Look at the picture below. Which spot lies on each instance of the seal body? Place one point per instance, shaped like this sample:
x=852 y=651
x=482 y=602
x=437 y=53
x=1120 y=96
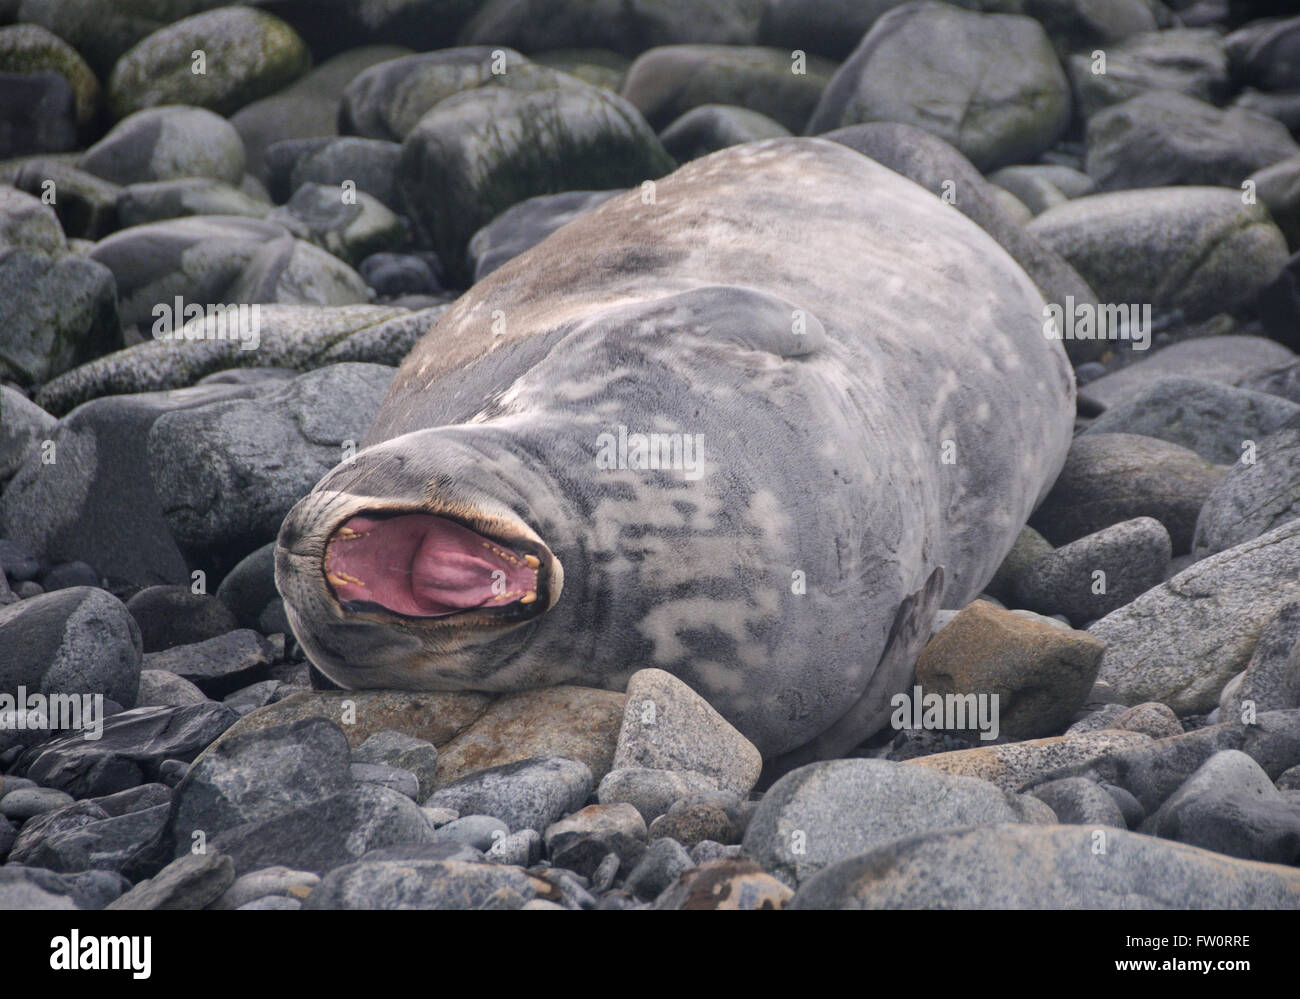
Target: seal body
x=753 y=427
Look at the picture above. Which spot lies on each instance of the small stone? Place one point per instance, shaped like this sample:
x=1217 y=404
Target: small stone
x=650 y=792
x=530 y=794
x=269 y=882
x=668 y=726
x=1079 y=801
x=190 y=882
x=24 y=803
x=725 y=884
x=583 y=840
x=399 y=780
x=664 y=860
x=699 y=817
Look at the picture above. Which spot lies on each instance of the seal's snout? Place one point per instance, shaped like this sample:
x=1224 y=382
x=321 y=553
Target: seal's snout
x=422 y=565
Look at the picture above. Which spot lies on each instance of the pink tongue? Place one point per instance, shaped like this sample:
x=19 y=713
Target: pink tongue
x=424 y=566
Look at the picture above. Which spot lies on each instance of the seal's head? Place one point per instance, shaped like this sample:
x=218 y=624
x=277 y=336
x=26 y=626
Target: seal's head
x=398 y=559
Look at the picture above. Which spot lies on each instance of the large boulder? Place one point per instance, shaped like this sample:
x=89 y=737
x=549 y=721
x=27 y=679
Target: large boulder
x=989 y=84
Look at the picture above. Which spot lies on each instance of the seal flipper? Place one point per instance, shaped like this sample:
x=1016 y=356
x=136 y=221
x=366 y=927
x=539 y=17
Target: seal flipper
x=746 y=317
x=907 y=637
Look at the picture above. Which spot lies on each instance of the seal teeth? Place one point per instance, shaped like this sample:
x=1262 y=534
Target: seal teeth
x=528 y=597
x=532 y=561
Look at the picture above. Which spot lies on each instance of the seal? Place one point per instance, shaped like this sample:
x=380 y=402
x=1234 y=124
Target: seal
x=752 y=425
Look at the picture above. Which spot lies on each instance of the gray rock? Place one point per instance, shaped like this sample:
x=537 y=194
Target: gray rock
x=1260 y=492
x=1111 y=478
x=668 y=726
x=421 y=884
x=712 y=815
x=56 y=312
x=190 y=882
x=85 y=204
x=577 y=137
x=30 y=49
x=1039 y=187
x=522 y=226
x=1079 y=801
x=1131 y=555
x=710 y=127
x=1196 y=251
x=582 y=841
x=1231 y=360
x=664 y=861
x=399 y=780
x=257 y=695
x=307 y=108
x=290 y=336
x=386 y=101
x=285 y=795
x=26 y=223
x=172 y=616
x=537 y=25
x=23 y=426
x=521 y=849
x=80 y=640
x=1029 y=546
x=1212 y=419
x=1180 y=642
x=1190 y=61
x=405 y=751
x=217 y=666
x=1271 y=680
x=228 y=473
x=351 y=229
x=131 y=748
x=530 y=794
x=295 y=272
x=650 y=792
x=1046 y=867
x=482 y=832
x=825 y=812
x=155 y=201
x=249 y=587
x=1263 y=53
x=167 y=143
x=251 y=53
x=26 y=802
x=24 y=888
x=994 y=116
x=370 y=164
x=272 y=902
x=1231 y=807
x=666 y=82
x=39 y=111
x=269 y=882
x=107 y=844
x=1278 y=187
x=1163 y=138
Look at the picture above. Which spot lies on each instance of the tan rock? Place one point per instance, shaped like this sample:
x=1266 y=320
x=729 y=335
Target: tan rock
x=725 y=884
x=1040 y=673
x=1015 y=765
x=1150 y=718
x=578 y=723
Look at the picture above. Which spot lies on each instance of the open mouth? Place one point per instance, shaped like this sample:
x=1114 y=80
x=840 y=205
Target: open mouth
x=422 y=565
